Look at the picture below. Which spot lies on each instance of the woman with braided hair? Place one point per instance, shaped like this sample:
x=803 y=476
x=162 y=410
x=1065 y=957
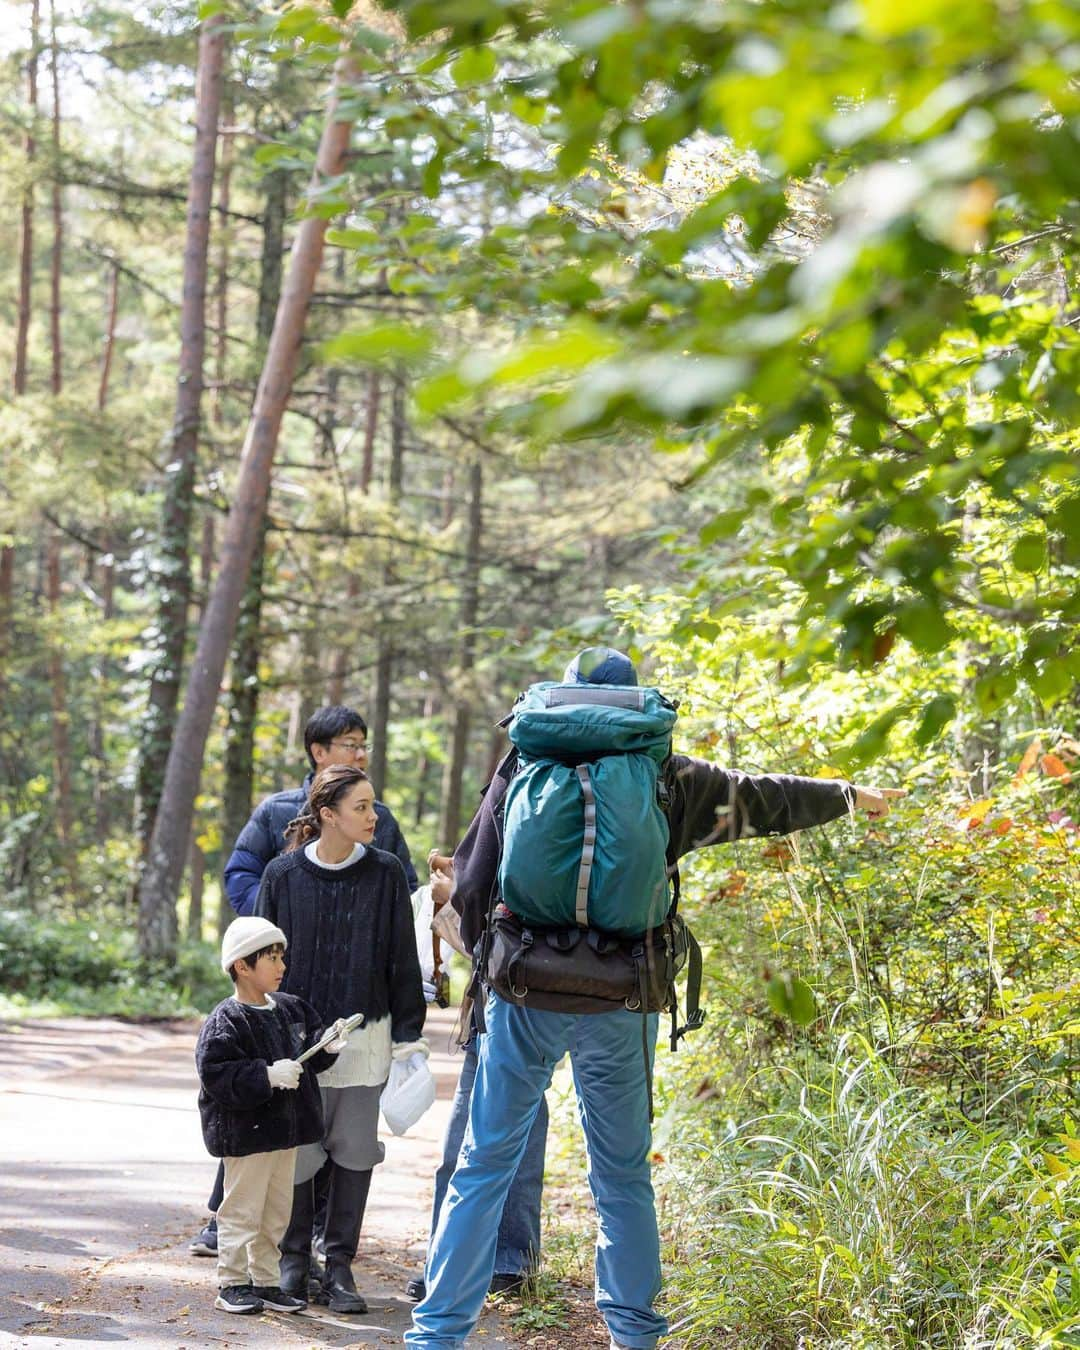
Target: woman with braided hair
x=344 y=908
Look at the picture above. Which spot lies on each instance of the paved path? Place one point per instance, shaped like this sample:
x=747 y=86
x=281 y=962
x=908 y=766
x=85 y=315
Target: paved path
x=103 y=1180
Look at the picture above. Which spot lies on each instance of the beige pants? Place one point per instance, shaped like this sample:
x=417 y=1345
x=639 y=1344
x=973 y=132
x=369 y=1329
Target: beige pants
x=253 y=1216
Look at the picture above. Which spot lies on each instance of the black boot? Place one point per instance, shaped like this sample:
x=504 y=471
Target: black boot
x=322 y=1190
x=345 y=1207
x=296 y=1244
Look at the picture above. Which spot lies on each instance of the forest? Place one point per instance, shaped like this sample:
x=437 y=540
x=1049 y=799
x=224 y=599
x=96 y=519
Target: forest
x=389 y=354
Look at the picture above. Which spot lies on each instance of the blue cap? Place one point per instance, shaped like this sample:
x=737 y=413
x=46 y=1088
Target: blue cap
x=600 y=665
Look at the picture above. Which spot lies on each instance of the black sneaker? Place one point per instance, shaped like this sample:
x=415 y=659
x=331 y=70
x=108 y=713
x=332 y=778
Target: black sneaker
x=507 y=1284
x=206 y=1242
x=415 y=1289
x=238 y=1298
x=273 y=1296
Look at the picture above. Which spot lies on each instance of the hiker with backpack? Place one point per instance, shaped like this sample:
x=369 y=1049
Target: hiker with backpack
x=566 y=884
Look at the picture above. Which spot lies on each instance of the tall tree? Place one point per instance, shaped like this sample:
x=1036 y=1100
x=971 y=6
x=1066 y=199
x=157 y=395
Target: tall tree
x=112 y=305
x=170 y=632
x=454 y=769
x=57 y=260
x=243 y=702
x=61 y=739
x=26 y=237
x=164 y=863
x=384 y=659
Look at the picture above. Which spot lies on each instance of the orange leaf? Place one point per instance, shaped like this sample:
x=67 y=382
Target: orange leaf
x=1002 y=826
x=1050 y=764
x=1031 y=754
x=883 y=644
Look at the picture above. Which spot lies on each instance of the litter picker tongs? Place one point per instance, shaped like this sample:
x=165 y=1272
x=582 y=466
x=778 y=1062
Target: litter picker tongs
x=331 y=1033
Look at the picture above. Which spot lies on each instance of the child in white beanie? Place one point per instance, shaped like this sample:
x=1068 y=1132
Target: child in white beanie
x=258 y=1106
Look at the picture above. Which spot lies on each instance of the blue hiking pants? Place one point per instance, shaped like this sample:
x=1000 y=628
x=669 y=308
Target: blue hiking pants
x=516 y=1060
x=517 y=1248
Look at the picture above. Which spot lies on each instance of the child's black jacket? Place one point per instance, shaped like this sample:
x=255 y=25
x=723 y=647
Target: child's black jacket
x=241 y=1113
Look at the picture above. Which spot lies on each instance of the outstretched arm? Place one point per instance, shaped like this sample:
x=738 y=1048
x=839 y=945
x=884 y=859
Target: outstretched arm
x=711 y=805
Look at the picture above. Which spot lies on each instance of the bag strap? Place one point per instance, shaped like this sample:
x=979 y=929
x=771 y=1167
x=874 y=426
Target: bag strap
x=695 y=1013
x=588 y=846
x=512 y=763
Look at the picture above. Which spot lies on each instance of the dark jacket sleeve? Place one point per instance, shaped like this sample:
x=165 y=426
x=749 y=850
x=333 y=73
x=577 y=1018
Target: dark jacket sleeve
x=389 y=838
x=407 y=1006
x=710 y=805
x=476 y=858
x=254 y=848
x=226 y=1068
x=266 y=897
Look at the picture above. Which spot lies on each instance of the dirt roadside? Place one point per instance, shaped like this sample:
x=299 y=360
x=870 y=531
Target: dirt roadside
x=105 y=1181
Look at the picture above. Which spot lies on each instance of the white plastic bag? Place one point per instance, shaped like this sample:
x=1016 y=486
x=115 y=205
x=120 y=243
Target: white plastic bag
x=425 y=909
x=409 y=1092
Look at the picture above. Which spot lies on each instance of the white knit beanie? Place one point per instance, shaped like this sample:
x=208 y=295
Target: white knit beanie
x=247 y=935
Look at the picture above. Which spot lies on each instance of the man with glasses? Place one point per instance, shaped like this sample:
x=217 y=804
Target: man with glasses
x=334 y=735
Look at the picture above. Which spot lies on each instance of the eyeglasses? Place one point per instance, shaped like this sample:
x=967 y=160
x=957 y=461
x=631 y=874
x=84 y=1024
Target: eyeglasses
x=354 y=747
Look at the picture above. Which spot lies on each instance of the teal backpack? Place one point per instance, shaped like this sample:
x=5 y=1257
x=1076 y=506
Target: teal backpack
x=584 y=832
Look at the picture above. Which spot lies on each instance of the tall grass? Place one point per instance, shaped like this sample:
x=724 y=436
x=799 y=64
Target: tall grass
x=857 y=1216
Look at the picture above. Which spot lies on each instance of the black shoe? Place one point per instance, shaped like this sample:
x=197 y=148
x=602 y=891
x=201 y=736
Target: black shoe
x=238 y=1298
x=295 y=1245
x=416 y=1289
x=508 y=1284
x=275 y=1297
x=344 y=1215
x=206 y=1242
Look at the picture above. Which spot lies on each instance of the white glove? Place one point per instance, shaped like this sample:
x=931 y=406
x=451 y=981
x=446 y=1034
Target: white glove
x=429 y=991
x=284 y=1073
x=402 y=1050
x=341 y=1037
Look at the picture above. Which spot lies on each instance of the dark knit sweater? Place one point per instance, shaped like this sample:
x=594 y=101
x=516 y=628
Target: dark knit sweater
x=352 y=945
x=241 y=1113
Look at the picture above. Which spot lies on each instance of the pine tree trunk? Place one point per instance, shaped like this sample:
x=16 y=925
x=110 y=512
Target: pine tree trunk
x=454 y=772
x=101 y=674
x=7 y=607
x=196 y=888
x=221 y=288
x=384 y=658
x=239 y=787
x=243 y=710
x=61 y=737
x=423 y=772
x=175 y=572
x=335 y=689
x=111 y=308
x=57 y=214
x=165 y=860
x=367 y=463
x=26 y=240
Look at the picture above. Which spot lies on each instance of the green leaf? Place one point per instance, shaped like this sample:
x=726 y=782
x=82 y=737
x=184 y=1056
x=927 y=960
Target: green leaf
x=792 y=998
x=571 y=349
x=937 y=715
x=722 y=526
x=351 y=238
x=475 y=65
x=993 y=689
x=278 y=154
x=1029 y=553
x=381 y=345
